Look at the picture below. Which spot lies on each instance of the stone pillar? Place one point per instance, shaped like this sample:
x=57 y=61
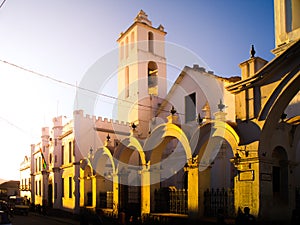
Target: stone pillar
x=81 y=188
x=115 y=194
x=192 y=193
x=145 y=191
x=77 y=186
x=94 y=191
x=45 y=179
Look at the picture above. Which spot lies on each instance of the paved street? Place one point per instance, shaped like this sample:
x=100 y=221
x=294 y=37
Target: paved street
x=35 y=219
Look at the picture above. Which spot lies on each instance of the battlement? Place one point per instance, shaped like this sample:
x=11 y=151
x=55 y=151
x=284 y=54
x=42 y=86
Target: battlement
x=100 y=120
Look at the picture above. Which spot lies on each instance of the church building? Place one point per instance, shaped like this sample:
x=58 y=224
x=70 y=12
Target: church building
x=206 y=143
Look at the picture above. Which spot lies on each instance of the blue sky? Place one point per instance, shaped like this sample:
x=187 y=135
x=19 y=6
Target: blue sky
x=63 y=39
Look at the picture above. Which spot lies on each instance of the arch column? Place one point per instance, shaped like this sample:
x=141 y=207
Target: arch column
x=94 y=191
x=192 y=170
x=115 y=194
x=145 y=191
x=81 y=187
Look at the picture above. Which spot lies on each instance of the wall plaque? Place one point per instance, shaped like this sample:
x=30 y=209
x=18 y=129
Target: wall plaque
x=247 y=175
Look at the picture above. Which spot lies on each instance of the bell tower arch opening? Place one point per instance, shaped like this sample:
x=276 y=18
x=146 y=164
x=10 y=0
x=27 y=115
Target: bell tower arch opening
x=152 y=78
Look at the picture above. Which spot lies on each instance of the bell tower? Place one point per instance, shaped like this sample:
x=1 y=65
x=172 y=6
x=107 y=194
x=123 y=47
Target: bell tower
x=142 y=80
x=287 y=24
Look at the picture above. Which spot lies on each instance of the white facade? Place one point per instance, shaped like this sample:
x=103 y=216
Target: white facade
x=56 y=183
x=25 y=178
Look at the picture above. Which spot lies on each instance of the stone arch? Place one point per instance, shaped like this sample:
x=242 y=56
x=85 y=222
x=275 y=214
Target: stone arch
x=160 y=135
x=126 y=148
x=131 y=161
x=154 y=147
x=276 y=106
x=87 y=184
x=206 y=143
x=99 y=161
x=284 y=92
x=105 y=179
x=204 y=135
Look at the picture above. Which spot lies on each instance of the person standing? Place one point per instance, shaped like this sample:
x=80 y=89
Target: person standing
x=247 y=217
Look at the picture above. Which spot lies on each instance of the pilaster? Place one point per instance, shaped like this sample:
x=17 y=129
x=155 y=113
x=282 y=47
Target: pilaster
x=192 y=169
x=145 y=191
x=115 y=194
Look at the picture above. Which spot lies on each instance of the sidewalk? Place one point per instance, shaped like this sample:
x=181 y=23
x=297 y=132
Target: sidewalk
x=59 y=216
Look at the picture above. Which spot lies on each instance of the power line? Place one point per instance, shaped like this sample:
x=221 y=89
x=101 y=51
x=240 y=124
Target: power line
x=77 y=87
x=13 y=125
x=2 y=3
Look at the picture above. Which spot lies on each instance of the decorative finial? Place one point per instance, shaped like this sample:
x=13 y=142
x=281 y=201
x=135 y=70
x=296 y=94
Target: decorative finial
x=143 y=18
x=221 y=106
x=173 y=110
x=133 y=126
x=91 y=150
x=252 y=52
x=107 y=137
x=199 y=119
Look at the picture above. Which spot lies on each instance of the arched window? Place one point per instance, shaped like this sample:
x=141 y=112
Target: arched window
x=126 y=82
x=150 y=42
x=152 y=78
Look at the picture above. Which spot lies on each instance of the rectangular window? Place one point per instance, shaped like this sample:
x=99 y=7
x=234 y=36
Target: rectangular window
x=190 y=107
x=70 y=152
x=62 y=187
x=62 y=155
x=40 y=188
x=36 y=188
x=70 y=187
x=55 y=158
x=36 y=165
x=74 y=148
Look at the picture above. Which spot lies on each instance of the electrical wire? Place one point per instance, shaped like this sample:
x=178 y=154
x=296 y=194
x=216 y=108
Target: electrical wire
x=2 y=3
x=13 y=125
x=77 y=87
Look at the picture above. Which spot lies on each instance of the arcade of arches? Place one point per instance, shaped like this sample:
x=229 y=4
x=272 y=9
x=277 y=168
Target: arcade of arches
x=255 y=159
